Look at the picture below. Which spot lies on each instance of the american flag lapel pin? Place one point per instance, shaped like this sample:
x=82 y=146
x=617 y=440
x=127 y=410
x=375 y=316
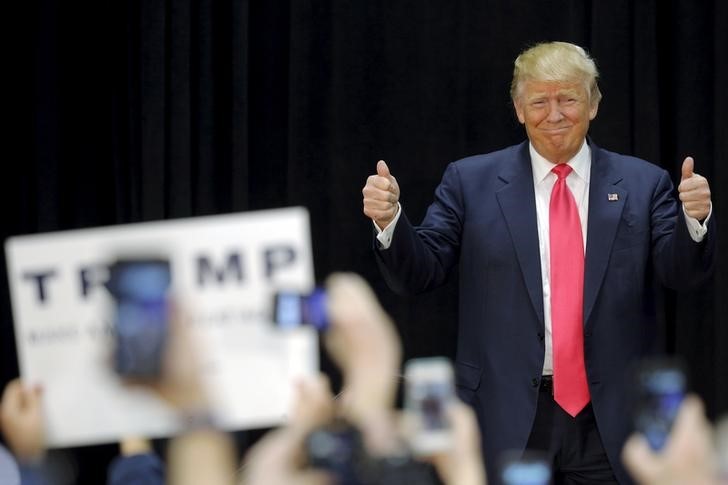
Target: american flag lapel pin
x=612 y=197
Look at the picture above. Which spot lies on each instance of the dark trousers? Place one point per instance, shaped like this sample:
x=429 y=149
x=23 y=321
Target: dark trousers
x=572 y=444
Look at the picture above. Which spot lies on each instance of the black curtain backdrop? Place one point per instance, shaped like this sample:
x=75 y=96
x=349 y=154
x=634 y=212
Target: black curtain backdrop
x=146 y=110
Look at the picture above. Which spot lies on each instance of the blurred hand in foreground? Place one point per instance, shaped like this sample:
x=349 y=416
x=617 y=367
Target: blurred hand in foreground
x=688 y=456
x=463 y=463
x=363 y=342
x=278 y=459
x=23 y=424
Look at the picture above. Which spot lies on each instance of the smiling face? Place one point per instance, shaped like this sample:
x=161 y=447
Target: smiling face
x=556 y=116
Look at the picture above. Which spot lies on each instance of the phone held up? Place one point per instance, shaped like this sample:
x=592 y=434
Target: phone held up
x=661 y=385
x=529 y=467
x=293 y=309
x=429 y=392
x=141 y=314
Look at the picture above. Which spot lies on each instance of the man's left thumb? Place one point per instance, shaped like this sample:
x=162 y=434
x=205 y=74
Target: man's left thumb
x=687 y=168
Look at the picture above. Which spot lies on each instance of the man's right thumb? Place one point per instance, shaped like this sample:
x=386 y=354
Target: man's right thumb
x=382 y=169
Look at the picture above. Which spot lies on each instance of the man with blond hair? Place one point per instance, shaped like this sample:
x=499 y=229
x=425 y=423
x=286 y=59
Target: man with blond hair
x=558 y=244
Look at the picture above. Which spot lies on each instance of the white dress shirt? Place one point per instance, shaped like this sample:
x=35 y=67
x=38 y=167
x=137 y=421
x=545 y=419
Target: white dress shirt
x=543 y=183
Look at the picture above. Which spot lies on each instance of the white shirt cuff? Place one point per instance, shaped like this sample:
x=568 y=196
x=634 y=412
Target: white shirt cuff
x=695 y=228
x=384 y=236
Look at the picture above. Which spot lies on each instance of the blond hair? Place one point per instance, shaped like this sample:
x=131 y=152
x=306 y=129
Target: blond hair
x=556 y=61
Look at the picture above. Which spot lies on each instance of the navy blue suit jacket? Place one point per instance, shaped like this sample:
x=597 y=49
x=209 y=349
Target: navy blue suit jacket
x=484 y=220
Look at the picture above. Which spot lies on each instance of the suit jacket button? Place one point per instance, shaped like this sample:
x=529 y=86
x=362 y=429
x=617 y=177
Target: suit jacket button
x=540 y=336
x=534 y=382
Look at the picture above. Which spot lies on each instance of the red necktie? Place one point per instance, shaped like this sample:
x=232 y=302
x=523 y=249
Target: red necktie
x=571 y=390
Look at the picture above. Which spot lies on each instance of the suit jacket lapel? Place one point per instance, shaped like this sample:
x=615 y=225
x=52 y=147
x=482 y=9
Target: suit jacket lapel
x=605 y=212
x=518 y=205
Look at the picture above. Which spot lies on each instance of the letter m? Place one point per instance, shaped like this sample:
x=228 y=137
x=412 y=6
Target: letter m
x=232 y=268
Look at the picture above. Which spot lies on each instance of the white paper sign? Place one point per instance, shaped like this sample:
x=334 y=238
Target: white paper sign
x=224 y=272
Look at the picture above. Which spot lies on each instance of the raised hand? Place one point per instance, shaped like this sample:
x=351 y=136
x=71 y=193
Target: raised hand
x=694 y=191
x=22 y=421
x=381 y=196
x=688 y=456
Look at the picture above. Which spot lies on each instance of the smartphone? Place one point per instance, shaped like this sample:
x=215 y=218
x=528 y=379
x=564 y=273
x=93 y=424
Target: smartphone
x=292 y=309
x=429 y=392
x=524 y=468
x=141 y=315
x=721 y=441
x=661 y=387
x=337 y=448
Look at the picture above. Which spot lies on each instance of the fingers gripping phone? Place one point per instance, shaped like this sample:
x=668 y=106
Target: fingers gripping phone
x=429 y=392
x=661 y=388
x=141 y=315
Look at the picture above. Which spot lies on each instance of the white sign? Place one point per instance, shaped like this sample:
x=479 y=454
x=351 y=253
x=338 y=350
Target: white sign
x=224 y=272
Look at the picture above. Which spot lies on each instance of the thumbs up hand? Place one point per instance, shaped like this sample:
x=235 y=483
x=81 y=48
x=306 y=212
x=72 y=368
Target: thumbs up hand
x=381 y=196
x=694 y=191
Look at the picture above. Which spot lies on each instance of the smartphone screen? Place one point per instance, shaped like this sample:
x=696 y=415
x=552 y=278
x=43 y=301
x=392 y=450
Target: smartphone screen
x=661 y=388
x=337 y=448
x=141 y=315
x=429 y=391
x=527 y=468
x=292 y=309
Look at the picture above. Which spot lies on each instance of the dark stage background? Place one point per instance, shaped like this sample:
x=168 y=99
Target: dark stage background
x=147 y=110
